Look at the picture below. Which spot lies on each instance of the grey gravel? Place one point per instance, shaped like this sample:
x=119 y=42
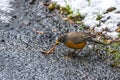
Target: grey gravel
x=20 y=56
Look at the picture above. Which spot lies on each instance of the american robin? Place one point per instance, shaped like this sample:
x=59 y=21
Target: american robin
x=74 y=40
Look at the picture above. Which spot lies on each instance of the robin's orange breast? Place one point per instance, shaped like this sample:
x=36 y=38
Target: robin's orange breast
x=80 y=45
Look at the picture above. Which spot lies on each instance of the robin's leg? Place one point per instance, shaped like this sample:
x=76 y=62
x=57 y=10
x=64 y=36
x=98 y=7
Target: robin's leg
x=78 y=50
x=72 y=54
x=85 y=51
x=75 y=53
x=90 y=49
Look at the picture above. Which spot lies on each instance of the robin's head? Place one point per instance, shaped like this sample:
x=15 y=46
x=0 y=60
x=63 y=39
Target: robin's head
x=62 y=39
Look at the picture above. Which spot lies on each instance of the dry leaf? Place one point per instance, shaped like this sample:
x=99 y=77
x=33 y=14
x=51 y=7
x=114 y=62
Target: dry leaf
x=71 y=21
x=118 y=29
x=65 y=19
x=46 y=4
x=49 y=51
x=108 y=41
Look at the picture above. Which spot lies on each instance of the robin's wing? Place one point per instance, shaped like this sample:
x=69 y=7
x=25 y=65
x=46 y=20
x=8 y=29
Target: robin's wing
x=81 y=37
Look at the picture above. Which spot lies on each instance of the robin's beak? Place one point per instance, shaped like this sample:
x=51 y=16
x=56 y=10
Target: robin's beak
x=57 y=42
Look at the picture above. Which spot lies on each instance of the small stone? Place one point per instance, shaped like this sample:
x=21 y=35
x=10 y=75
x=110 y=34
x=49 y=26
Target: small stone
x=46 y=1
x=118 y=24
x=117 y=12
x=14 y=17
x=66 y=57
x=38 y=32
x=31 y=1
x=118 y=29
x=2 y=40
x=54 y=30
x=110 y=9
x=46 y=4
x=6 y=25
x=25 y=22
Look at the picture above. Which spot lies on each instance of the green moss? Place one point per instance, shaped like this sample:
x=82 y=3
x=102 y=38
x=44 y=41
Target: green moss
x=82 y=27
x=119 y=34
x=114 y=51
x=99 y=17
x=52 y=6
x=115 y=45
x=66 y=10
x=78 y=21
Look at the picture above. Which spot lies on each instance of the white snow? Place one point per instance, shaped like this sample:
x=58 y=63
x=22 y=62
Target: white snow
x=112 y=34
x=91 y=11
x=5 y=8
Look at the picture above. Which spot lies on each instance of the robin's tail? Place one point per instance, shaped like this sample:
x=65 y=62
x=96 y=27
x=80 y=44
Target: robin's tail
x=94 y=41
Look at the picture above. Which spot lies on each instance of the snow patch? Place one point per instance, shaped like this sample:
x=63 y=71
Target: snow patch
x=92 y=10
x=5 y=9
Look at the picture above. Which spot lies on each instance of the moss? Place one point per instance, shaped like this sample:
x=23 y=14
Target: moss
x=66 y=10
x=98 y=17
x=52 y=6
x=119 y=34
x=114 y=51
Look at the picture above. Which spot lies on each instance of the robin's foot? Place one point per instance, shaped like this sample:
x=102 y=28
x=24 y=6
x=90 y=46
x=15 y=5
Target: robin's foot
x=73 y=54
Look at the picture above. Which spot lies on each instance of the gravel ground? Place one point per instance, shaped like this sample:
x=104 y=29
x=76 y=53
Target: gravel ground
x=20 y=56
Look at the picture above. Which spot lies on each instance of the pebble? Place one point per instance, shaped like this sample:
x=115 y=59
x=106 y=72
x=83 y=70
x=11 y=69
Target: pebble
x=26 y=22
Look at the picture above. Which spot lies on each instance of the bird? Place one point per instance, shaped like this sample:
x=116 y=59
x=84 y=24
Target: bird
x=74 y=40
